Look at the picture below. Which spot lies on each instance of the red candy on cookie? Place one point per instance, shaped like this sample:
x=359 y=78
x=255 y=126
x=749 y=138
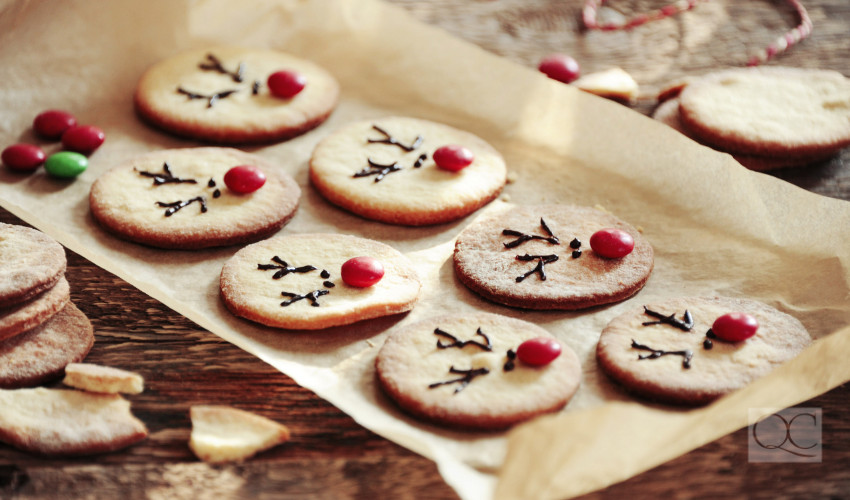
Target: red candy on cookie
x=362 y=272
x=83 y=139
x=286 y=84
x=735 y=327
x=53 y=123
x=244 y=179
x=23 y=157
x=453 y=157
x=612 y=243
x=539 y=351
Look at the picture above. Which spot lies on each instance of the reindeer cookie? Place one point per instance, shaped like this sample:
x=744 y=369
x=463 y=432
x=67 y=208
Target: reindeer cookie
x=315 y=281
x=194 y=198
x=407 y=171
x=231 y=95
x=480 y=371
x=552 y=257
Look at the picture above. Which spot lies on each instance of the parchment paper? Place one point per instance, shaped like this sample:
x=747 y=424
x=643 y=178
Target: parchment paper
x=716 y=227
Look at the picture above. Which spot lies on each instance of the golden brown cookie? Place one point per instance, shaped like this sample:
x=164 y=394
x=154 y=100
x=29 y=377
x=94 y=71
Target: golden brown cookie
x=384 y=169
x=177 y=198
x=30 y=263
x=64 y=422
x=769 y=111
x=668 y=113
x=221 y=95
x=294 y=282
x=41 y=354
x=539 y=257
x=663 y=351
x=463 y=371
x=27 y=315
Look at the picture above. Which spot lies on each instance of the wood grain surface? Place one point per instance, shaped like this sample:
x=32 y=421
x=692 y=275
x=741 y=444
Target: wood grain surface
x=329 y=455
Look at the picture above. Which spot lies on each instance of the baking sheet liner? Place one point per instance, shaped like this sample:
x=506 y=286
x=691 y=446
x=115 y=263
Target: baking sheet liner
x=716 y=227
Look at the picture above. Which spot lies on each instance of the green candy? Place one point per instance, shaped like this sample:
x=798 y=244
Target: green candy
x=66 y=164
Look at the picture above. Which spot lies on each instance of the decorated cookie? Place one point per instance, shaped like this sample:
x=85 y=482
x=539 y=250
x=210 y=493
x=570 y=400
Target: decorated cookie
x=303 y=281
x=544 y=257
x=30 y=263
x=236 y=96
x=668 y=113
x=27 y=315
x=189 y=198
x=407 y=171
x=769 y=111
x=480 y=371
x=691 y=351
x=64 y=422
x=42 y=353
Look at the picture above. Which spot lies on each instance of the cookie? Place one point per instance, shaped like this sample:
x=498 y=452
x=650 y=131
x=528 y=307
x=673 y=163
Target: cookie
x=294 y=282
x=463 y=371
x=539 y=257
x=223 y=434
x=177 y=198
x=769 y=111
x=22 y=317
x=41 y=354
x=105 y=379
x=668 y=113
x=663 y=351
x=384 y=170
x=30 y=263
x=221 y=95
x=62 y=422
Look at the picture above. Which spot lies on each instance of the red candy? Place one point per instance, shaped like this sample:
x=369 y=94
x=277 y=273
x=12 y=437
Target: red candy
x=23 y=157
x=53 y=123
x=735 y=327
x=286 y=84
x=453 y=158
x=560 y=67
x=244 y=179
x=612 y=243
x=362 y=272
x=538 y=351
x=83 y=139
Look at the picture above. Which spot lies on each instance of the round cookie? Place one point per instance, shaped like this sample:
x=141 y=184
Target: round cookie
x=42 y=353
x=770 y=111
x=27 y=315
x=384 y=170
x=668 y=114
x=294 y=282
x=475 y=380
x=177 y=198
x=691 y=374
x=220 y=95
x=30 y=263
x=523 y=257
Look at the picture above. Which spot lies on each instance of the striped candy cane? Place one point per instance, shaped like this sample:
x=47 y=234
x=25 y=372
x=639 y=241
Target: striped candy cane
x=778 y=46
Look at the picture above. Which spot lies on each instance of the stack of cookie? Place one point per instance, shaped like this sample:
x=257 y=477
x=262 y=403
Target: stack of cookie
x=766 y=117
x=41 y=331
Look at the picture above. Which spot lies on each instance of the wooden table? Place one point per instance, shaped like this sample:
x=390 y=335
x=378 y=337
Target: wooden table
x=330 y=456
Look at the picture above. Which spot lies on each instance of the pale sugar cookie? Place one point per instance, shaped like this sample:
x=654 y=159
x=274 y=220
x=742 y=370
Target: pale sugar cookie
x=386 y=170
x=221 y=95
x=464 y=371
x=769 y=111
x=665 y=351
x=296 y=282
x=540 y=257
x=178 y=198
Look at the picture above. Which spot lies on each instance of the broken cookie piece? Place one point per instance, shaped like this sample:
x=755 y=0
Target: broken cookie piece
x=225 y=434
x=103 y=379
